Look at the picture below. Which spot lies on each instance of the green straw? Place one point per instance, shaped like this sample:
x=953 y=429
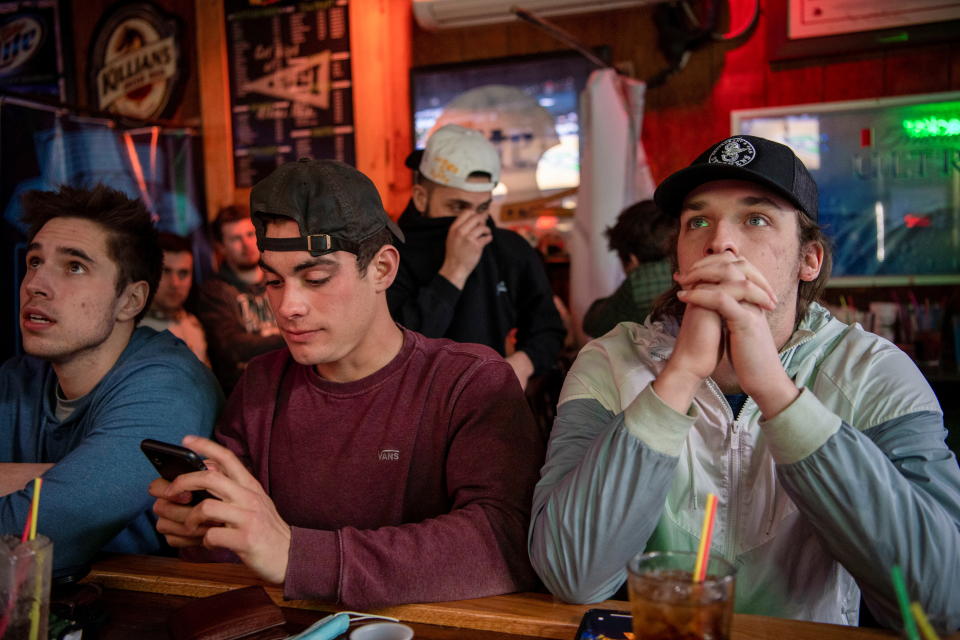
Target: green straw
x=900 y=587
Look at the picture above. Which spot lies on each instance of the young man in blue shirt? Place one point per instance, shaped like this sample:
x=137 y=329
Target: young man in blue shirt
x=91 y=385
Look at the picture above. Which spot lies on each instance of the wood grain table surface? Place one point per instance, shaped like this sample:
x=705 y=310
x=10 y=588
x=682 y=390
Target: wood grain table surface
x=141 y=591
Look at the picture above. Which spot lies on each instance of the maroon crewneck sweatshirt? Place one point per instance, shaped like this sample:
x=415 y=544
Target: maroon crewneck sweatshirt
x=410 y=485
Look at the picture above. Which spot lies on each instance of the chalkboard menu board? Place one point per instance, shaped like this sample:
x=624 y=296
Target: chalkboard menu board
x=290 y=84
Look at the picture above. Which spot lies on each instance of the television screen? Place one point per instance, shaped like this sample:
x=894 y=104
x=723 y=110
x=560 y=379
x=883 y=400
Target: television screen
x=527 y=106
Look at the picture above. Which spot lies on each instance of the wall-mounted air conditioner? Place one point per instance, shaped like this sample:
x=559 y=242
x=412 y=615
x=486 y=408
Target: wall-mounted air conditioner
x=446 y=14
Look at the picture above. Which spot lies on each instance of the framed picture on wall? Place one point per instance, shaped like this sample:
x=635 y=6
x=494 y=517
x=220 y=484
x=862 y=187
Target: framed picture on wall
x=527 y=106
x=887 y=172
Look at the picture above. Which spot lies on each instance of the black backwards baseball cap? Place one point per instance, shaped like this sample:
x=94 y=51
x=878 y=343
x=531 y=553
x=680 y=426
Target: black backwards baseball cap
x=335 y=206
x=750 y=158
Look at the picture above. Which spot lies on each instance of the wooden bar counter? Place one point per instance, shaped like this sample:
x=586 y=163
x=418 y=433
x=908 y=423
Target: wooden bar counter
x=136 y=585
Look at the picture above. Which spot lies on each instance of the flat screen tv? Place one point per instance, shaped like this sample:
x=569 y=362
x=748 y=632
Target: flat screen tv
x=527 y=106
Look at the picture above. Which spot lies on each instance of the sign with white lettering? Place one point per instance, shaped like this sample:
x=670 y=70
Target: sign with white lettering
x=135 y=66
x=290 y=83
x=31 y=63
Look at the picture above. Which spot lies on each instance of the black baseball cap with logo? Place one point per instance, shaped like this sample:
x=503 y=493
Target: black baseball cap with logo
x=744 y=157
x=335 y=206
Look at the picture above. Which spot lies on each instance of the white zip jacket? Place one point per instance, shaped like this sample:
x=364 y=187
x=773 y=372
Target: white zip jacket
x=814 y=504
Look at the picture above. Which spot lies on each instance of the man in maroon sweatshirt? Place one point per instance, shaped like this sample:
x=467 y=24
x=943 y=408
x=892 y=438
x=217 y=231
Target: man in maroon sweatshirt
x=366 y=464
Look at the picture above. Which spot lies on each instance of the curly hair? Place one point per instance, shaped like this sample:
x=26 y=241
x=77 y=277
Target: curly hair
x=641 y=230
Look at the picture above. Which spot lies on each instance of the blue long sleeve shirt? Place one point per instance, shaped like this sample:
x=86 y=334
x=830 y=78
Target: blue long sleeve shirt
x=95 y=496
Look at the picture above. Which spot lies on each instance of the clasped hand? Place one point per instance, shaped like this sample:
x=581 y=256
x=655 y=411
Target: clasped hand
x=728 y=301
x=243 y=519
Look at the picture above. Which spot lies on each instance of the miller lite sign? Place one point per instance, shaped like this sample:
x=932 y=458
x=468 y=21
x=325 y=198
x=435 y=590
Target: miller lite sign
x=20 y=39
x=135 y=62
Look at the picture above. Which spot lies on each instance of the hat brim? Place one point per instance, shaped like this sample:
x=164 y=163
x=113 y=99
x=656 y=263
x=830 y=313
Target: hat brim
x=413 y=160
x=671 y=193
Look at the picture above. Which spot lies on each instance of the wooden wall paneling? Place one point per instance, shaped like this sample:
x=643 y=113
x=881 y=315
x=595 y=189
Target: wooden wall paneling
x=493 y=41
x=448 y=45
x=794 y=83
x=380 y=52
x=215 y=108
x=82 y=22
x=634 y=39
x=853 y=78
x=791 y=82
x=681 y=115
x=743 y=82
x=525 y=38
x=954 y=65
x=921 y=70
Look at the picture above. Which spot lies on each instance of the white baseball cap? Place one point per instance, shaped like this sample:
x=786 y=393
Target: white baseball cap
x=454 y=152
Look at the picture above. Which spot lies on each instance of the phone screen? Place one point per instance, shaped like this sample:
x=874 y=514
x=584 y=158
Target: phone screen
x=605 y=624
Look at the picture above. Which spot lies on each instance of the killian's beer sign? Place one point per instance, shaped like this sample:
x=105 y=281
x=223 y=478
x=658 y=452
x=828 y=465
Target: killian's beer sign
x=135 y=62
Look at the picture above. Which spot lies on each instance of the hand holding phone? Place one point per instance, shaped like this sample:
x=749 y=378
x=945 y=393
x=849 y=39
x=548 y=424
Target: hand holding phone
x=171 y=460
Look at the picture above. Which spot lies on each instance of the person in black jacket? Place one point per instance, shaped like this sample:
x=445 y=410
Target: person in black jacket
x=461 y=277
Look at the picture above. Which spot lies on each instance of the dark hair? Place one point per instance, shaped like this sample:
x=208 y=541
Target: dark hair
x=173 y=243
x=369 y=247
x=641 y=230
x=226 y=215
x=809 y=232
x=131 y=236
x=810 y=292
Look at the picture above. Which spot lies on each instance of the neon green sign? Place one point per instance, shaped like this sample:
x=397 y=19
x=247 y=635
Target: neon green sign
x=932 y=127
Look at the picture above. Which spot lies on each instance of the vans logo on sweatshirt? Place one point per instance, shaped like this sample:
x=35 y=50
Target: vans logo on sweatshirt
x=501 y=287
x=389 y=454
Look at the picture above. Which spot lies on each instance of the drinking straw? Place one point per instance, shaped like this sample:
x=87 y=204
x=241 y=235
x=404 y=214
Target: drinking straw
x=38 y=569
x=706 y=535
x=926 y=629
x=26 y=528
x=900 y=587
x=35 y=507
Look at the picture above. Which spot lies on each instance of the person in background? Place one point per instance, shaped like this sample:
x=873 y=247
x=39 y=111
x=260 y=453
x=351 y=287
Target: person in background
x=232 y=305
x=823 y=443
x=461 y=277
x=91 y=385
x=642 y=238
x=365 y=464
x=166 y=311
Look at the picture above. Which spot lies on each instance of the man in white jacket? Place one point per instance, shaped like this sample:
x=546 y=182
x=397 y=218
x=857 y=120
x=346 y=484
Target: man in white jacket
x=823 y=442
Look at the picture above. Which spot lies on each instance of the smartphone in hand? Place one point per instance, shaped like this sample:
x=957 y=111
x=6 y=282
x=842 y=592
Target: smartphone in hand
x=171 y=460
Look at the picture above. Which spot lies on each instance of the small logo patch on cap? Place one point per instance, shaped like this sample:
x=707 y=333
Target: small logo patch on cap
x=735 y=151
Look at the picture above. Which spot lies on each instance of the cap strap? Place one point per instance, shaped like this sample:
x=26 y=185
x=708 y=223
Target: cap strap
x=316 y=244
